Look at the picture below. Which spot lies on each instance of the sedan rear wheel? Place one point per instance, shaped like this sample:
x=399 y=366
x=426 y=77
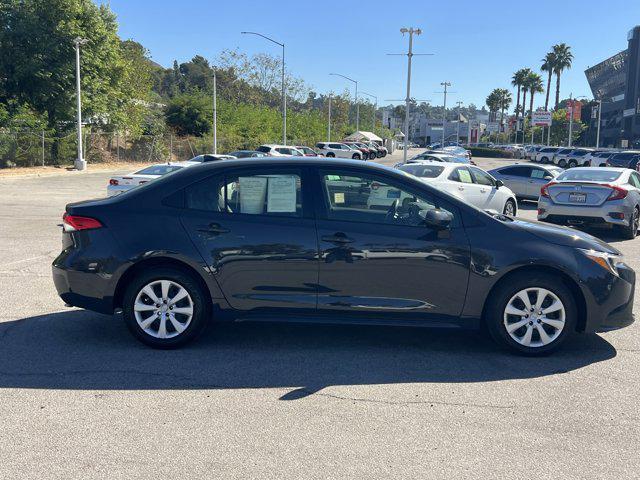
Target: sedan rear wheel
x=531 y=314
x=165 y=307
x=631 y=231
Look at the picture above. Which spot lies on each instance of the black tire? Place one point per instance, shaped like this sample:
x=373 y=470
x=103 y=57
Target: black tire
x=586 y=164
x=384 y=154
x=499 y=298
x=572 y=164
x=562 y=163
x=630 y=231
x=330 y=155
x=355 y=156
x=544 y=160
x=372 y=156
x=200 y=300
x=510 y=204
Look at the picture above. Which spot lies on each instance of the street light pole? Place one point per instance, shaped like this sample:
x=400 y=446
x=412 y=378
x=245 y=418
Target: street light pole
x=570 y=119
x=599 y=122
x=375 y=108
x=215 y=115
x=329 y=126
x=444 y=112
x=80 y=163
x=356 y=98
x=284 y=96
x=459 y=103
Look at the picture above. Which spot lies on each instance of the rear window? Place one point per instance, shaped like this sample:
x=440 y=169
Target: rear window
x=590 y=175
x=423 y=171
x=158 y=170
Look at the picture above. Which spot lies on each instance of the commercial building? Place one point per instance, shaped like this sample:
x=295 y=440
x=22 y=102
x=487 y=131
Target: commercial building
x=616 y=82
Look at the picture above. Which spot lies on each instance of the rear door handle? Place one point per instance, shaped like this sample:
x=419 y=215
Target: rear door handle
x=461 y=188
x=212 y=229
x=339 y=238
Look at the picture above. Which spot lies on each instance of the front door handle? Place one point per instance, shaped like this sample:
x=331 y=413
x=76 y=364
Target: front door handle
x=461 y=188
x=339 y=238
x=212 y=229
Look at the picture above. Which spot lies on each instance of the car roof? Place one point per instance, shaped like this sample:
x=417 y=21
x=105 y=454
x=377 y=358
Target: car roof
x=599 y=169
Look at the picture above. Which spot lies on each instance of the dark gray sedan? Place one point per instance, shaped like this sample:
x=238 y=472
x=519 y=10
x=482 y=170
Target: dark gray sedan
x=526 y=179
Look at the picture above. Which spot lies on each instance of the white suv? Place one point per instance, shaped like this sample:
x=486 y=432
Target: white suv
x=339 y=150
x=280 y=151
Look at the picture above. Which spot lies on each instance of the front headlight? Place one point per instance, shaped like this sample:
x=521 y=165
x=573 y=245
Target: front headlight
x=608 y=261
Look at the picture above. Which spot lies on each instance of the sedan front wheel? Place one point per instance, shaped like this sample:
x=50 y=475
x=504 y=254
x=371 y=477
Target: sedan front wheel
x=531 y=314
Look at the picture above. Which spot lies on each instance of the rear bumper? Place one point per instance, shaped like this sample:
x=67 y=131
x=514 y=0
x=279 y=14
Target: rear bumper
x=584 y=215
x=84 y=290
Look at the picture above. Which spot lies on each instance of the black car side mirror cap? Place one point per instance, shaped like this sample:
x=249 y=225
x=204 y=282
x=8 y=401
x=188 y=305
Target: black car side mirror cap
x=499 y=183
x=437 y=219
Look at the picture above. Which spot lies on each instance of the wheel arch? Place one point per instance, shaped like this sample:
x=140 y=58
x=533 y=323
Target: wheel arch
x=141 y=265
x=571 y=284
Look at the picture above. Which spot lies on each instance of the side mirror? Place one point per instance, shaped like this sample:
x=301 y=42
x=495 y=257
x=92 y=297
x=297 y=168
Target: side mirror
x=436 y=218
x=499 y=183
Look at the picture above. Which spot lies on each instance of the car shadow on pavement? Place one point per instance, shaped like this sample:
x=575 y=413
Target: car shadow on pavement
x=77 y=349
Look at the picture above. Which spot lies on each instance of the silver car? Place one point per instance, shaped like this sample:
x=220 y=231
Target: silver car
x=607 y=197
x=526 y=179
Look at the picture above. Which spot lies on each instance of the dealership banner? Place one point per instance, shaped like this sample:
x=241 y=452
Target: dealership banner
x=541 y=118
x=577 y=109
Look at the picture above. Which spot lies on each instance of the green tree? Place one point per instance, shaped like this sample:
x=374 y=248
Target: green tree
x=534 y=85
x=190 y=114
x=493 y=102
x=548 y=65
x=39 y=71
x=518 y=81
x=560 y=128
x=563 y=61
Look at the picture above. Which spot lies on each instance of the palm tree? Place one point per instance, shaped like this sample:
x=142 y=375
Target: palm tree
x=493 y=102
x=504 y=100
x=563 y=60
x=535 y=85
x=548 y=64
x=517 y=81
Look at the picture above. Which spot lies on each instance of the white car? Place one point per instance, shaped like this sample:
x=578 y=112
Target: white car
x=124 y=183
x=338 y=150
x=467 y=182
x=210 y=157
x=280 y=151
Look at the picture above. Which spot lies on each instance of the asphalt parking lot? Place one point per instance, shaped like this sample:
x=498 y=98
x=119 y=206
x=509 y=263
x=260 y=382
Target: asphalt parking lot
x=80 y=398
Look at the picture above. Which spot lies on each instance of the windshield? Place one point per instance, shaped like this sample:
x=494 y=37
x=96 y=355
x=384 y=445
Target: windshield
x=590 y=175
x=423 y=171
x=158 y=170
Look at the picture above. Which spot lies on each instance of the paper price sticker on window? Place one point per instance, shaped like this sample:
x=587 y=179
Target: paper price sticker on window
x=252 y=193
x=281 y=196
x=338 y=197
x=465 y=176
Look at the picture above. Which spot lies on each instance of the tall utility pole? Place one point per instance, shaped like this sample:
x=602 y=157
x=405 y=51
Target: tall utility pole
x=215 y=115
x=284 y=96
x=570 y=118
x=444 y=113
x=329 y=124
x=459 y=103
x=375 y=109
x=356 y=98
x=599 y=122
x=411 y=31
x=81 y=163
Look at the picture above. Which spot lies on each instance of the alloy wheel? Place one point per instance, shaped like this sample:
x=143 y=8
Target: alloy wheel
x=636 y=221
x=163 y=309
x=534 y=317
x=509 y=209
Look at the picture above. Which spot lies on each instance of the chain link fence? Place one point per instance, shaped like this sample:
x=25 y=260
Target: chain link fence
x=29 y=149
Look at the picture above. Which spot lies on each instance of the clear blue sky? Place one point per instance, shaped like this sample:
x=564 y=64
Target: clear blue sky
x=477 y=45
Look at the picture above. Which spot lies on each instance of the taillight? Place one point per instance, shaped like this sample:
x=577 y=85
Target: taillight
x=74 y=223
x=113 y=181
x=618 y=192
x=544 y=191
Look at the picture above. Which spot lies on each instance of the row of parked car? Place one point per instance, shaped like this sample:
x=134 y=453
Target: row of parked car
x=584 y=157
x=580 y=197
x=349 y=150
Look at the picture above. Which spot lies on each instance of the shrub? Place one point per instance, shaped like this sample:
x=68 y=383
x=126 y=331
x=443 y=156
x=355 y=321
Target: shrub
x=490 y=152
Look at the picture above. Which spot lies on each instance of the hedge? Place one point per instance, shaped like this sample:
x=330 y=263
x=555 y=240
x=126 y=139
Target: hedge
x=490 y=152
